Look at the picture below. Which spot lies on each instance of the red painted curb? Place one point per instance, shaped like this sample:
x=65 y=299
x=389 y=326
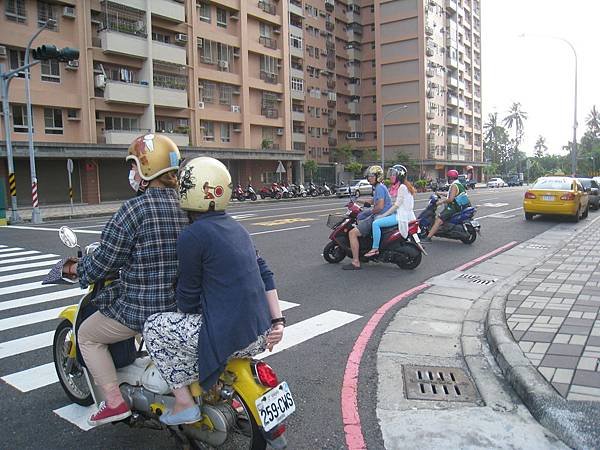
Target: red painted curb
x=350 y=416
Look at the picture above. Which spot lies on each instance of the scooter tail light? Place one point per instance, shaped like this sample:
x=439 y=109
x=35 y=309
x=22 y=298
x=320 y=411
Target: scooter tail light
x=413 y=227
x=530 y=195
x=568 y=197
x=265 y=375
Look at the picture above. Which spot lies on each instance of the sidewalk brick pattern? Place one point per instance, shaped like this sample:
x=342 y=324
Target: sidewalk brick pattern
x=553 y=315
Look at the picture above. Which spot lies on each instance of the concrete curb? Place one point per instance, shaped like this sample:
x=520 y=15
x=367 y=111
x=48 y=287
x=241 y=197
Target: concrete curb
x=569 y=420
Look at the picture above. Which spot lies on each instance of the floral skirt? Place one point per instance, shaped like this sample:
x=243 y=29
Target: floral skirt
x=172 y=341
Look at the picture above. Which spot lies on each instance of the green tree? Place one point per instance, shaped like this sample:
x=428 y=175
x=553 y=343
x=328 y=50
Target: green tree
x=310 y=167
x=411 y=165
x=369 y=155
x=515 y=119
x=496 y=144
x=540 y=147
x=593 y=121
x=343 y=153
x=355 y=167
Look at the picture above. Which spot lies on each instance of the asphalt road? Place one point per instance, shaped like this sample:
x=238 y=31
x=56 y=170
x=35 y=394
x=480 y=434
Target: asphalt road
x=291 y=236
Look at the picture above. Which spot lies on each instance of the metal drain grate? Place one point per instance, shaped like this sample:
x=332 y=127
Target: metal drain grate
x=449 y=384
x=477 y=279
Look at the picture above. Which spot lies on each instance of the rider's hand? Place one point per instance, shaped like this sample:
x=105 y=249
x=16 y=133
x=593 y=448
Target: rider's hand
x=275 y=336
x=70 y=268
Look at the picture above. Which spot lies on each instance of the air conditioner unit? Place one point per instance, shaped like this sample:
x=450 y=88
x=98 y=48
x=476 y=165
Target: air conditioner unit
x=200 y=42
x=100 y=81
x=236 y=52
x=279 y=131
x=237 y=130
x=181 y=38
x=223 y=65
x=277 y=30
x=235 y=108
x=236 y=92
x=72 y=65
x=200 y=105
x=234 y=17
x=2 y=51
x=69 y=11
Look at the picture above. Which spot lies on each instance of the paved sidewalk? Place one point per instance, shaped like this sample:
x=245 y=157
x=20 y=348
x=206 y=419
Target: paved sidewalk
x=446 y=328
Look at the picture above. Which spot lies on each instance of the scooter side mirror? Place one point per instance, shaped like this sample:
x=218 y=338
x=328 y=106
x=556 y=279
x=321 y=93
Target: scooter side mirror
x=67 y=236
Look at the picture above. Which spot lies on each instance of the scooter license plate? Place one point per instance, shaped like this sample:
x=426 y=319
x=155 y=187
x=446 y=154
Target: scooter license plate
x=416 y=238
x=275 y=406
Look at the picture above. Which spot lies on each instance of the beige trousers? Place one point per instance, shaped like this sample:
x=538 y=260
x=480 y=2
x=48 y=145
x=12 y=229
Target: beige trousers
x=94 y=335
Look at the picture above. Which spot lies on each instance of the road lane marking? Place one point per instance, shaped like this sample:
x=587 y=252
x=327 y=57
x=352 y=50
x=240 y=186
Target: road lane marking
x=50 y=262
x=495 y=205
x=25 y=227
x=13 y=249
x=26 y=344
x=27 y=258
x=274 y=223
x=277 y=231
x=77 y=415
x=10 y=255
x=42 y=298
x=31 y=318
x=22 y=275
x=21 y=287
x=307 y=329
x=500 y=212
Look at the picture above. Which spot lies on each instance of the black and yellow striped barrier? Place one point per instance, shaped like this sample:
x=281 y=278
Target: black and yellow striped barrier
x=12 y=185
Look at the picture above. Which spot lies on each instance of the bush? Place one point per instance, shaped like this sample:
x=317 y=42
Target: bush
x=421 y=184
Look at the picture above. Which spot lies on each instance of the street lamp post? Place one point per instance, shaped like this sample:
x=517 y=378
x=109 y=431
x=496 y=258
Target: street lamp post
x=574 y=148
x=383 y=132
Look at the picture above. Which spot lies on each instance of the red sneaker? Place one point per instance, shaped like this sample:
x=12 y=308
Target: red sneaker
x=107 y=414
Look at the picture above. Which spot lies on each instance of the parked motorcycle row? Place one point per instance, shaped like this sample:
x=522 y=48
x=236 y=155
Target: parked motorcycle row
x=282 y=190
x=407 y=252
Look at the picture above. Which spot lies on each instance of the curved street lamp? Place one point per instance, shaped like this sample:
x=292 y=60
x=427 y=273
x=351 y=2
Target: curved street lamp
x=383 y=132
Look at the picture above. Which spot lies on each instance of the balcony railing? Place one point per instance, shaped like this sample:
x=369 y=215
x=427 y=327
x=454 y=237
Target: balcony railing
x=270 y=113
x=268 y=42
x=170 y=81
x=329 y=26
x=269 y=77
x=267 y=7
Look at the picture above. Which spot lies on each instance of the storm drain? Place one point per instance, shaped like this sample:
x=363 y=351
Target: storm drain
x=476 y=279
x=449 y=384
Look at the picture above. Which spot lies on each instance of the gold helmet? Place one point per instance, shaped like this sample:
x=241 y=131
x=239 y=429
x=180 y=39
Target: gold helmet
x=377 y=171
x=204 y=185
x=154 y=155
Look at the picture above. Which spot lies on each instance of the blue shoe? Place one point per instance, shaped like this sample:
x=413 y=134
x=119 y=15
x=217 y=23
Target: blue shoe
x=189 y=415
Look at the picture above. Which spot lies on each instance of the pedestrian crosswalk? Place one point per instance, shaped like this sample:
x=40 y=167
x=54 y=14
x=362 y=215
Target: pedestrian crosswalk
x=29 y=309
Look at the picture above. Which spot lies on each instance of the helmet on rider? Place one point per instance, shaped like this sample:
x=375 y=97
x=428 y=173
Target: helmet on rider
x=452 y=174
x=154 y=155
x=204 y=185
x=397 y=173
x=375 y=171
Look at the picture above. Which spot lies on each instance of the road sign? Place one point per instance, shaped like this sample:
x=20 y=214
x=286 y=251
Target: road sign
x=280 y=168
x=70 y=165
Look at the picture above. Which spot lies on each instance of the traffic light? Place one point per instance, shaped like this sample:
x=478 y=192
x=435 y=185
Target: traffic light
x=46 y=52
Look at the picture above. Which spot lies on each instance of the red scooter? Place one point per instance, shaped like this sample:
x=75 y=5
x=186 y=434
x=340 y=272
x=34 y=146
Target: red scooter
x=394 y=249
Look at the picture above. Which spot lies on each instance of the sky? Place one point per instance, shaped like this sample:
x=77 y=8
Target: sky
x=538 y=70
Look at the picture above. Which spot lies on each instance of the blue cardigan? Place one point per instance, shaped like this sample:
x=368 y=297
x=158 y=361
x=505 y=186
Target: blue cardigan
x=222 y=278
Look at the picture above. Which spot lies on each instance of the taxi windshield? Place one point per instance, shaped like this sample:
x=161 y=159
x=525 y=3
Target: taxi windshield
x=563 y=184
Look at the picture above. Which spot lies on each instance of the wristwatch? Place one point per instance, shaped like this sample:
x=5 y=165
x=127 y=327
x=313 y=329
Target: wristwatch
x=278 y=320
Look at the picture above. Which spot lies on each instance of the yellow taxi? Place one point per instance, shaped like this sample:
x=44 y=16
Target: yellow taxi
x=556 y=196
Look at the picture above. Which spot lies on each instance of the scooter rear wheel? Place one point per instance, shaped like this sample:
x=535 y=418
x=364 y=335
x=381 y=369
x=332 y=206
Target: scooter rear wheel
x=333 y=253
x=472 y=236
x=70 y=374
x=411 y=263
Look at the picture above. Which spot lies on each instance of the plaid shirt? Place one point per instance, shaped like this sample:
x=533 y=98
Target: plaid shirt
x=141 y=241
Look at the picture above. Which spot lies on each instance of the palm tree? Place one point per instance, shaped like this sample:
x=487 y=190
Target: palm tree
x=540 y=147
x=515 y=119
x=593 y=121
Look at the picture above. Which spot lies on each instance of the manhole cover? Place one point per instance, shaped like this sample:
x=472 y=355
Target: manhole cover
x=537 y=246
x=449 y=384
x=477 y=279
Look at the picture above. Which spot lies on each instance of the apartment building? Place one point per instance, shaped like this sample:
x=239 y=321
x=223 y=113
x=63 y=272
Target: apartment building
x=413 y=66
x=213 y=75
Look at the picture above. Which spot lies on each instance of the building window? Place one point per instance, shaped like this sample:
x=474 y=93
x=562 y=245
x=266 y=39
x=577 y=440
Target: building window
x=161 y=37
x=16 y=59
x=297 y=84
x=53 y=121
x=15 y=11
x=47 y=11
x=265 y=30
x=20 y=118
x=50 y=71
x=295 y=41
x=208 y=130
x=203 y=11
x=117 y=123
x=225 y=94
x=225 y=132
x=208 y=92
x=222 y=17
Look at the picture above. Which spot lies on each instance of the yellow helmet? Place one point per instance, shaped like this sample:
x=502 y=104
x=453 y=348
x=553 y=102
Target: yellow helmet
x=154 y=155
x=204 y=185
x=377 y=171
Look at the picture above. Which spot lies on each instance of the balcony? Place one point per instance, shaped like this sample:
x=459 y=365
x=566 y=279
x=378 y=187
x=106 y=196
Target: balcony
x=331 y=122
x=452 y=139
x=330 y=64
x=297 y=95
x=169 y=53
x=121 y=137
x=298 y=116
x=452 y=62
x=451 y=6
x=330 y=83
x=452 y=119
x=354 y=53
x=268 y=42
x=329 y=5
x=170 y=98
x=452 y=100
x=329 y=26
x=270 y=78
x=430 y=115
x=267 y=7
x=296 y=9
x=298 y=52
x=298 y=137
x=119 y=92
x=354 y=107
x=270 y=113
x=180 y=139
x=123 y=44
x=169 y=9
x=453 y=82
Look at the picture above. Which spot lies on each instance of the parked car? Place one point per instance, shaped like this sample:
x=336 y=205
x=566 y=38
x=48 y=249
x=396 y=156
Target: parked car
x=556 y=195
x=356 y=188
x=515 y=181
x=469 y=184
x=497 y=183
x=591 y=187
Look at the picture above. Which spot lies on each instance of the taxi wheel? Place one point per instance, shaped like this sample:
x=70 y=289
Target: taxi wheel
x=576 y=216
x=586 y=213
x=528 y=216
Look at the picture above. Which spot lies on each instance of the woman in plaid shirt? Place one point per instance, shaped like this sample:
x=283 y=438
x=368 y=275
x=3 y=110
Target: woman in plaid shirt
x=140 y=242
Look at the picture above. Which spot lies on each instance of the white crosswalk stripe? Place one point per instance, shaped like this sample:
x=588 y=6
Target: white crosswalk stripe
x=13 y=262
